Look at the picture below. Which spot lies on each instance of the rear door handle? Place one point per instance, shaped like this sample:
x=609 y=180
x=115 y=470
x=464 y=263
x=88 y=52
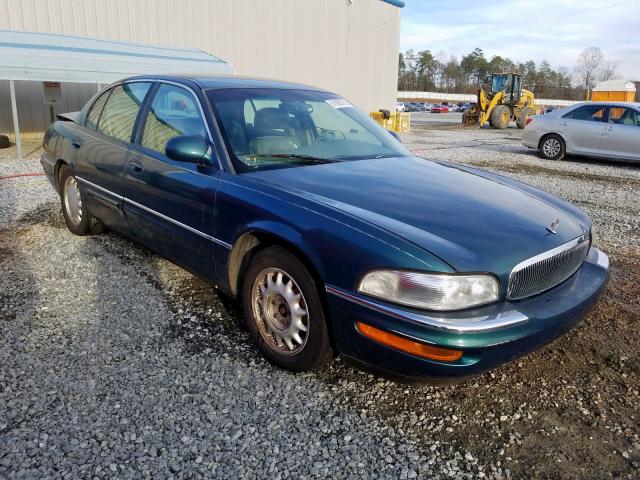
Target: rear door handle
x=136 y=166
x=563 y=124
x=75 y=144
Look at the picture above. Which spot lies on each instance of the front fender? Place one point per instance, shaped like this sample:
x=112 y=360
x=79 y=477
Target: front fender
x=289 y=235
x=255 y=234
x=339 y=246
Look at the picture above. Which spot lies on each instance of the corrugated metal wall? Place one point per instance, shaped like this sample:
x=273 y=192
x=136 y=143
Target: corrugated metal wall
x=347 y=47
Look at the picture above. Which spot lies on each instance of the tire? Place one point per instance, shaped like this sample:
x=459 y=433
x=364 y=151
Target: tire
x=552 y=147
x=500 y=117
x=79 y=221
x=521 y=121
x=4 y=141
x=280 y=280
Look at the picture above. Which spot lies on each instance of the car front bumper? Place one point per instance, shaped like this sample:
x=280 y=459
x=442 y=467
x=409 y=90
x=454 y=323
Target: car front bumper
x=487 y=336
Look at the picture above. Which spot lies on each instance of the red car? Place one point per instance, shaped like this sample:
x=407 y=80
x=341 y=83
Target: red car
x=439 y=109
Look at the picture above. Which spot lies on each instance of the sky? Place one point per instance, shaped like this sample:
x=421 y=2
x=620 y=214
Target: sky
x=552 y=30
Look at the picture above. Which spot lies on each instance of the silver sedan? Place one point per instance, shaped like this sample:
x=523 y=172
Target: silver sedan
x=595 y=129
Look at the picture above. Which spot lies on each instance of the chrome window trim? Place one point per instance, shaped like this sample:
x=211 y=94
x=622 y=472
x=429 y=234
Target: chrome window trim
x=548 y=254
x=487 y=323
x=158 y=214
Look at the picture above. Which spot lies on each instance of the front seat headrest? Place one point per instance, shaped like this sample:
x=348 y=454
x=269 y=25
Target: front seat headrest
x=272 y=118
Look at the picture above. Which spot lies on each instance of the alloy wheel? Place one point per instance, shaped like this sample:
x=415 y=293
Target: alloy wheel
x=280 y=310
x=551 y=147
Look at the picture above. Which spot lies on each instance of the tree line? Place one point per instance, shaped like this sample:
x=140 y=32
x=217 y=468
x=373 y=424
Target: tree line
x=423 y=71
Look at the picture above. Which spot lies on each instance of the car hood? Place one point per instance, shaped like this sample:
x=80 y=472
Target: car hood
x=473 y=220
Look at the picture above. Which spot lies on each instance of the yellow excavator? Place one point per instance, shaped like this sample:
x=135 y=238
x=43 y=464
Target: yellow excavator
x=505 y=101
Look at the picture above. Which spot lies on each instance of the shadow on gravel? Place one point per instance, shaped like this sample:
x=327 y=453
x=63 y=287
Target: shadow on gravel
x=18 y=291
x=19 y=298
x=205 y=320
x=47 y=214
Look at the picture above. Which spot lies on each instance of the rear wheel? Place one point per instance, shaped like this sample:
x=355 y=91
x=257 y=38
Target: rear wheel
x=500 y=117
x=552 y=147
x=78 y=219
x=283 y=311
x=525 y=113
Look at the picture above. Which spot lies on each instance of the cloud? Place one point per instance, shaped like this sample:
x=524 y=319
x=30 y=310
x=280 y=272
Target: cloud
x=552 y=30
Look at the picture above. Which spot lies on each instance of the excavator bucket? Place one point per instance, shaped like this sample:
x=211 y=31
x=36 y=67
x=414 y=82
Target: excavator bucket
x=470 y=119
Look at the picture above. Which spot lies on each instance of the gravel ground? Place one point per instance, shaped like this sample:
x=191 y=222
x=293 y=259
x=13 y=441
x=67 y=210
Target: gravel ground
x=116 y=363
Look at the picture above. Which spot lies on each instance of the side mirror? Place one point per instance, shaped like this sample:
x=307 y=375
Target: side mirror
x=189 y=148
x=395 y=135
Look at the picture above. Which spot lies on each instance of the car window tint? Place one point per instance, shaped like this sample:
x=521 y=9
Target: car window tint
x=624 y=116
x=96 y=110
x=589 y=113
x=173 y=112
x=120 y=112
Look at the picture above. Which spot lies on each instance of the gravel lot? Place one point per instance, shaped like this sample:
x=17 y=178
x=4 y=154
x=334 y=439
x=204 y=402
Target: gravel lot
x=116 y=363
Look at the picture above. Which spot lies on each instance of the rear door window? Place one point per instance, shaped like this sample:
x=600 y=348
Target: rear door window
x=96 y=111
x=119 y=114
x=588 y=113
x=174 y=111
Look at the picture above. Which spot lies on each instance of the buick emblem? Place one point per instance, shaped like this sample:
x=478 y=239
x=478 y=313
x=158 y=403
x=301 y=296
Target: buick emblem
x=553 y=227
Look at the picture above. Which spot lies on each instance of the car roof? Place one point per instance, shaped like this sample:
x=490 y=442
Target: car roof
x=228 y=81
x=611 y=104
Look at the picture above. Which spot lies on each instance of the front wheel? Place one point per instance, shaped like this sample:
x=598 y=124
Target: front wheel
x=552 y=147
x=283 y=311
x=500 y=117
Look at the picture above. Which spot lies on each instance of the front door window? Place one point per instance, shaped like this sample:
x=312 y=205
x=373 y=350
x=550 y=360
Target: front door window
x=174 y=112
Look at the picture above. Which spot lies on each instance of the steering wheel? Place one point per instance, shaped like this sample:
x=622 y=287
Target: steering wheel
x=331 y=135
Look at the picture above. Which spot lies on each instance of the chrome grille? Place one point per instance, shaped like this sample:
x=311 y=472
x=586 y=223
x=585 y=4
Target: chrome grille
x=547 y=270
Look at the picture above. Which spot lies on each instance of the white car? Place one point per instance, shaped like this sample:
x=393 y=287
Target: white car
x=595 y=129
x=399 y=107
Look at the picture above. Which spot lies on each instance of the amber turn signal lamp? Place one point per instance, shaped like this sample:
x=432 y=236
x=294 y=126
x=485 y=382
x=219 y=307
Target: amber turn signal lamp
x=408 y=346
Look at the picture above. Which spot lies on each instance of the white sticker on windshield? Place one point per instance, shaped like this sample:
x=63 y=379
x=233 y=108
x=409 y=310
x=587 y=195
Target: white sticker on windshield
x=338 y=103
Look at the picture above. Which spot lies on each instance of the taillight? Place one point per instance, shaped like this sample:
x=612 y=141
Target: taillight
x=528 y=121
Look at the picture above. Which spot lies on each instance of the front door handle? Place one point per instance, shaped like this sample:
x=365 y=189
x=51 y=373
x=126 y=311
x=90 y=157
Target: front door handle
x=75 y=144
x=563 y=124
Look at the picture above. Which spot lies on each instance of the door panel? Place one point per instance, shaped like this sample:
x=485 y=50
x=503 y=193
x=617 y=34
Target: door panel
x=622 y=134
x=169 y=204
x=169 y=208
x=583 y=129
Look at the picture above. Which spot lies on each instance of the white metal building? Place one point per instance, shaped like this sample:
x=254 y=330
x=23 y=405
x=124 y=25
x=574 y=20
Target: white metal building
x=347 y=46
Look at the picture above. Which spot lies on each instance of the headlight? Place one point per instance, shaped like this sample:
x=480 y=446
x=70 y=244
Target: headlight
x=431 y=291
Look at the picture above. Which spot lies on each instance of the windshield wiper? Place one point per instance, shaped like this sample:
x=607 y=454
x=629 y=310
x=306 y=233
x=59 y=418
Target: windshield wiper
x=296 y=156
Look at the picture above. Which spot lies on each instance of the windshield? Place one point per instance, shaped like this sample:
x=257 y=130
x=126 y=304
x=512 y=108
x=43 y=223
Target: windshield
x=272 y=128
x=500 y=82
